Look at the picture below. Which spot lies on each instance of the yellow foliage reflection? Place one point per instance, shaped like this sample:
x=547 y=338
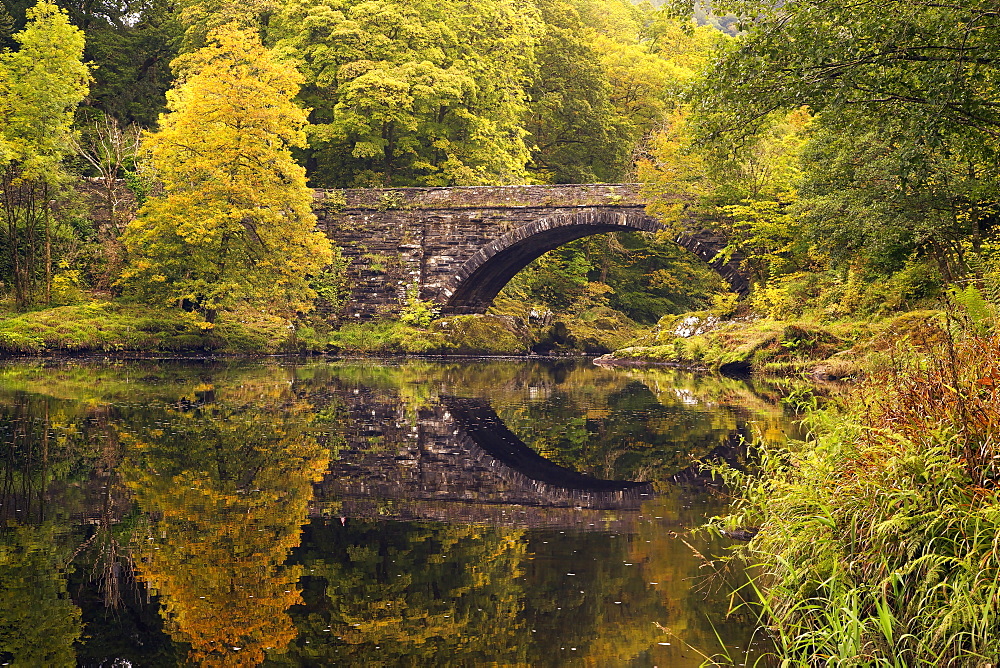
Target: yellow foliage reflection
x=229 y=478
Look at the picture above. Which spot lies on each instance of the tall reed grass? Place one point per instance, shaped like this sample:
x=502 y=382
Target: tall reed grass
x=879 y=541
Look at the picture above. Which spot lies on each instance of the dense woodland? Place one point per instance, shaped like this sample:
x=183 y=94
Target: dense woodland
x=850 y=159
x=375 y=94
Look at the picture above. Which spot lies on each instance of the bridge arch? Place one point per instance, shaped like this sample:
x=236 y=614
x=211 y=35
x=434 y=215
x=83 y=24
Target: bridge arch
x=483 y=276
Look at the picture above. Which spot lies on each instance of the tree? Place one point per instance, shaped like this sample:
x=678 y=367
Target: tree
x=41 y=85
x=131 y=49
x=234 y=225
x=935 y=65
x=231 y=486
x=902 y=160
x=575 y=134
x=404 y=93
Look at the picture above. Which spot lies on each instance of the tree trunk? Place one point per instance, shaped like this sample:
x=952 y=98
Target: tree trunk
x=48 y=245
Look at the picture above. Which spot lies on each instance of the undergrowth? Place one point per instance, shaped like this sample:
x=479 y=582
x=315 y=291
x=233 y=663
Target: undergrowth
x=879 y=537
x=108 y=327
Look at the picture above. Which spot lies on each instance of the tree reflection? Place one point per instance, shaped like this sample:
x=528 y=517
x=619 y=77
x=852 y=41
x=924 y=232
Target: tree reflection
x=200 y=477
x=228 y=476
x=400 y=593
x=38 y=622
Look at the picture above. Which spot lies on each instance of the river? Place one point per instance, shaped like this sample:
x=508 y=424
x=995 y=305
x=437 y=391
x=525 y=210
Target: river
x=360 y=513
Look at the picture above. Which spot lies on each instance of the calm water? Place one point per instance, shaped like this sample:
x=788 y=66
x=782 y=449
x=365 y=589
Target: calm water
x=419 y=513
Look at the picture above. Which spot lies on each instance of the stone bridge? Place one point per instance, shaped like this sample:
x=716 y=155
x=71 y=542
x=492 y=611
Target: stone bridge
x=459 y=246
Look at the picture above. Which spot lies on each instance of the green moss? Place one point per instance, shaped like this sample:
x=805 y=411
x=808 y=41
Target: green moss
x=386 y=337
x=103 y=326
x=762 y=346
x=483 y=335
x=461 y=335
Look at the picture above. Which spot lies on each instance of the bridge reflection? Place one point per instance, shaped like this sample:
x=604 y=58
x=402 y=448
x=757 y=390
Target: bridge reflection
x=458 y=461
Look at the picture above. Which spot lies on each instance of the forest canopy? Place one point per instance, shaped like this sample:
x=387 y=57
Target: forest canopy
x=388 y=93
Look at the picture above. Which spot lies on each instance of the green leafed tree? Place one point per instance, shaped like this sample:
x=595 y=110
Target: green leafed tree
x=932 y=65
x=234 y=226
x=41 y=85
x=412 y=93
x=902 y=158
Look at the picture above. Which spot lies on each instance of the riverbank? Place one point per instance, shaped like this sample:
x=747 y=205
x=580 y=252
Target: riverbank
x=747 y=344
x=877 y=537
x=704 y=341
x=106 y=326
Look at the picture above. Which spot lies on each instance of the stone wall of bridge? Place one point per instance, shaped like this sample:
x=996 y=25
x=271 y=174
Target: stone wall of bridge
x=458 y=246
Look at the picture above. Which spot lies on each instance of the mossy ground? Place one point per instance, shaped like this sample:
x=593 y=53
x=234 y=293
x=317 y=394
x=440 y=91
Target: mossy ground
x=103 y=326
x=457 y=335
x=774 y=347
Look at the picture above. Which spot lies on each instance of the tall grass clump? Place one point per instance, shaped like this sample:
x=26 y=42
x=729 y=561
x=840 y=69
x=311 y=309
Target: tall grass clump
x=879 y=536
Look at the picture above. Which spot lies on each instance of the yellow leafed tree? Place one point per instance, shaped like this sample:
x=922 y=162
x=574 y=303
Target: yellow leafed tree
x=234 y=226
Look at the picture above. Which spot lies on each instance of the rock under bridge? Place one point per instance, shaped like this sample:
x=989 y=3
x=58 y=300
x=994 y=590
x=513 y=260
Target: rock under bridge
x=458 y=246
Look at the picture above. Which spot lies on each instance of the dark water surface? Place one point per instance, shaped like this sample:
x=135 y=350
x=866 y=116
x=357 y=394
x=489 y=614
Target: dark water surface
x=459 y=513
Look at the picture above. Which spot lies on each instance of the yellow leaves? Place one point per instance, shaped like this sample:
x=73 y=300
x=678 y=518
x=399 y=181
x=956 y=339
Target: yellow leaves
x=235 y=225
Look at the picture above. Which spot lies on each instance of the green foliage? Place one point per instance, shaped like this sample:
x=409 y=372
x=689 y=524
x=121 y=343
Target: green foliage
x=605 y=79
x=455 y=335
x=131 y=45
x=412 y=93
x=899 y=162
x=330 y=283
x=640 y=276
x=41 y=85
x=417 y=312
x=41 y=623
x=385 y=337
x=876 y=541
x=838 y=56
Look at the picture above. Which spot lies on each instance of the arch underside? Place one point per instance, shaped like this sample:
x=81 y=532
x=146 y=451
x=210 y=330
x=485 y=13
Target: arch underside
x=477 y=420
x=476 y=292
x=484 y=275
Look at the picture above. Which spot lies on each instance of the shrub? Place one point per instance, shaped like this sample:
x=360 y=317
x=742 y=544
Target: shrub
x=877 y=541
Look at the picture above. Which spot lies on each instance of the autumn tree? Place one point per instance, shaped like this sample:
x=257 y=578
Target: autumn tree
x=234 y=226
x=41 y=85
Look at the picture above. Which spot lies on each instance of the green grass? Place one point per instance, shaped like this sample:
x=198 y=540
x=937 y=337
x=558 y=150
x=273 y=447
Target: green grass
x=879 y=541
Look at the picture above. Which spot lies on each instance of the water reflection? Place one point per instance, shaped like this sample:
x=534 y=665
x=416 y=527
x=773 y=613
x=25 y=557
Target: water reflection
x=227 y=479
x=164 y=513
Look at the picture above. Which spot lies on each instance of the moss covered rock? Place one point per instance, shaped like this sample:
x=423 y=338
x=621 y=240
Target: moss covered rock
x=483 y=335
x=701 y=340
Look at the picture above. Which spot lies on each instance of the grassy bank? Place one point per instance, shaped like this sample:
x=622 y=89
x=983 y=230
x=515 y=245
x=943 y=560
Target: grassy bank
x=748 y=344
x=878 y=539
x=105 y=326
